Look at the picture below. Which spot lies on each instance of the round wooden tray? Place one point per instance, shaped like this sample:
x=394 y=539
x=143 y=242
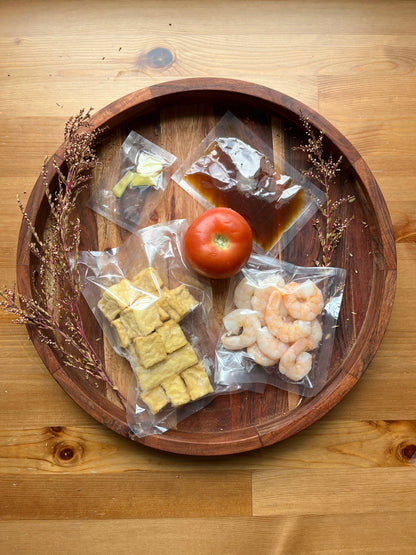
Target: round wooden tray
x=177 y=115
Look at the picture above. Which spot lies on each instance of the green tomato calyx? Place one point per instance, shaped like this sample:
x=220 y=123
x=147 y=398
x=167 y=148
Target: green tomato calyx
x=220 y=241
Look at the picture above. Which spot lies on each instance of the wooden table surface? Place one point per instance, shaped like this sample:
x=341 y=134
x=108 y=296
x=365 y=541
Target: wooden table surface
x=347 y=484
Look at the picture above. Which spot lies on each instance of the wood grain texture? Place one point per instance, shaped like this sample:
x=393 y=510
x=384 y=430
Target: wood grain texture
x=354 y=62
x=277 y=534
x=89 y=449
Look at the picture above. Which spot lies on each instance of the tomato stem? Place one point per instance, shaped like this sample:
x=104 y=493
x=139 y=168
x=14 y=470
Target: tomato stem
x=220 y=241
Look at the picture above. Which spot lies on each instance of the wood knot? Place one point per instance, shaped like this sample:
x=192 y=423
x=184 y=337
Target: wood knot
x=158 y=58
x=67 y=453
x=407 y=452
x=56 y=429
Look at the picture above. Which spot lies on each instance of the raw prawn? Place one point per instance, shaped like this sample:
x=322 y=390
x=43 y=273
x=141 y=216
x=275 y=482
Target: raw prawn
x=259 y=357
x=243 y=293
x=269 y=345
x=315 y=335
x=240 y=319
x=280 y=326
x=303 y=301
x=262 y=293
x=296 y=363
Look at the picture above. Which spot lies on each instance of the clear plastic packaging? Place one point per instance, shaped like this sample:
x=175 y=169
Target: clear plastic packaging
x=158 y=315
x=278 y=326
x=133 y=184
x=233 y=167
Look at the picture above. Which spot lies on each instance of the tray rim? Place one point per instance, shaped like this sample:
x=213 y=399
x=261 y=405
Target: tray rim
x=144 y=101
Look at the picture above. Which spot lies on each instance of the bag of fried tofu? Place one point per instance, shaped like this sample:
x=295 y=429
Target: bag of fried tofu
x=158 y=316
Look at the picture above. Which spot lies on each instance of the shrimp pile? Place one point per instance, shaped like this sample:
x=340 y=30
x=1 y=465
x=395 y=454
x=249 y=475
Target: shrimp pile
x=276 y=322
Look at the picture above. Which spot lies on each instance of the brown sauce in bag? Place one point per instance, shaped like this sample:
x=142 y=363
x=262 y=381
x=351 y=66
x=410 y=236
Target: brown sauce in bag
x=234 y=175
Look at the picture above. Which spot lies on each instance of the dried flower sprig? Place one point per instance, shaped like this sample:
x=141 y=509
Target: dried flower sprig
x=324 y=170
x=56 y=311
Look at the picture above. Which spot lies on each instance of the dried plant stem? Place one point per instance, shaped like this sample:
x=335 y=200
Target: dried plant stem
x=330 y=227
x=56 y=311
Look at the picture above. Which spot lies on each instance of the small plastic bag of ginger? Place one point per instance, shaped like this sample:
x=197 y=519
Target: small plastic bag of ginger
x=133 y=183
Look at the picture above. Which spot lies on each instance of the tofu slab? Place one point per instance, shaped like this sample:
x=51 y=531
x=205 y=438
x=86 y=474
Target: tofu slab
x=148 y=280
x=172 y=336
x=197 y=381
x=150 y=349
x=178 y=302
x=174 y=363
x=175 y=389
x=123 y=336
x=155 y=399
x=142 y=318
x=116 y=298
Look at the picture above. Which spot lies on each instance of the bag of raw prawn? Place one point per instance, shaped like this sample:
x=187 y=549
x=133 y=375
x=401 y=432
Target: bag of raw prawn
x=278 y=326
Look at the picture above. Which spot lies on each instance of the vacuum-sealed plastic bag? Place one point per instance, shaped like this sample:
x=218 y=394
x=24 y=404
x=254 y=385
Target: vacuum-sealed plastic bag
x=278 y=326
x=133 y=184
x=232 y=167
x=158 y=315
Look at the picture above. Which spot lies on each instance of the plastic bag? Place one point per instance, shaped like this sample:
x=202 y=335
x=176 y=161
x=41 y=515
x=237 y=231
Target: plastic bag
x=159 y=316
x=292 y=349
x=133 y=184
x=233 y=167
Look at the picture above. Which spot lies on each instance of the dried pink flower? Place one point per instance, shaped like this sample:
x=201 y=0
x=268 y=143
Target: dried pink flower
x=324 y=170
x=55 y=311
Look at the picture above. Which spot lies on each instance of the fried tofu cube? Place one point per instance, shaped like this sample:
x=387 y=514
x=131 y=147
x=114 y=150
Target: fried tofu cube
x=116 y=298
x=109 y=307
x=176 y=390
x=133 y=358
x=178 y=302
x=197 y=381
x=174 y=363
x=150 y=349
x=162 y=312
x=148 y=280
x=171 y=312
x=123 y=336
x=155 y=399
x=172 y=336
x=142 y=318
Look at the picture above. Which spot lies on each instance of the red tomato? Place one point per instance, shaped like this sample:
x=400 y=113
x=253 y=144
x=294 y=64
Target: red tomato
x=218 y=243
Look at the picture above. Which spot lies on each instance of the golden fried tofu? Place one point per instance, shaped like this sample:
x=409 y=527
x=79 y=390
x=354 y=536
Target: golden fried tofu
x=171 y=312
x=177 y=302
x=172 y=336
x=197 y=381
x=109 y=307
x=142 y=318
x=123 y=336
x=155 y=399
x=148 y=280
x=134 y=359
x=176 y=390
x=150 y=349
x=116 y=298
x=162 y=312
x=174 y=363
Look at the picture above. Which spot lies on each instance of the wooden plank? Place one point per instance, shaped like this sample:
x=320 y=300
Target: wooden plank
x=342 y=491
x=328 y=444
x=109 y=54
x=366 y=126
x=373 y=17
x=126 y=495
x=369 y=533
